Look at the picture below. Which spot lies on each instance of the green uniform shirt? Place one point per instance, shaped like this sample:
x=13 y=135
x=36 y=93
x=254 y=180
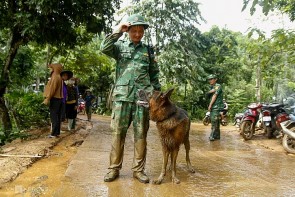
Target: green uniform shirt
x=135 y=68
x=218 y=104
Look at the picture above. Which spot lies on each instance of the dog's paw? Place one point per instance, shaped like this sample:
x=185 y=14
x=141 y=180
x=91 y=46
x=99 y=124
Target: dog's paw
x=191 y=170
x=157 y=182
x=175 y=180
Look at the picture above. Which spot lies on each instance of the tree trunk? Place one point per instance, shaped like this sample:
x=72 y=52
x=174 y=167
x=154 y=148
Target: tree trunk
x=16 y=41
x=258 y=83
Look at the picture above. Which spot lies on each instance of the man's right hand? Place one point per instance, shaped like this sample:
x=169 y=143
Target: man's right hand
x=123 y=27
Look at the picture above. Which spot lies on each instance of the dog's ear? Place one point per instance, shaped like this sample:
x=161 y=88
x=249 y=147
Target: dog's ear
x=168 y=93
x=160 y=95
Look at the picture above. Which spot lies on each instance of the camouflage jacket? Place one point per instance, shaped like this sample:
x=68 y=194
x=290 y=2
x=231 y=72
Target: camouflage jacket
x=135 y=68
x=218 y=104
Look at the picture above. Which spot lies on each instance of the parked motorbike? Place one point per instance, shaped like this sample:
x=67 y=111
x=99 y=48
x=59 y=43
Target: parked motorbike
x=249 y=121
x=238 y=119
x=272 y=116
x=81 y=107
x=207 y=119
x=288 y=129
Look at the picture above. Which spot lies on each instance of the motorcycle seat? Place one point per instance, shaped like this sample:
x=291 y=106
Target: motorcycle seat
x=290 y=124
x=275 y=105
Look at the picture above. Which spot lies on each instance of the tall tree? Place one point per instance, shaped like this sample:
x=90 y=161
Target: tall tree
x=47 y=21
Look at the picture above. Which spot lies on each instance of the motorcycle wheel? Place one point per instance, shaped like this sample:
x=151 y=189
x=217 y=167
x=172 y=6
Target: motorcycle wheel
x=289 y=144
x=246 y=130
x=224 y=123
x=206 y=121
x=268 y=132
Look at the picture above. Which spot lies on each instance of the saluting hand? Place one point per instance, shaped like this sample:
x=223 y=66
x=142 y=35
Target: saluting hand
x=124 y=27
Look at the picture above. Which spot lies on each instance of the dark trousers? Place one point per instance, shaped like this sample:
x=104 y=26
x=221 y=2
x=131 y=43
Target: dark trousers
x=215 y=124
x=63 y=111
x=55 y=108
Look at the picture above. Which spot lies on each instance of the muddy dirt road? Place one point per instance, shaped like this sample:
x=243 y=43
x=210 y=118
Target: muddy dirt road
x=229 y=167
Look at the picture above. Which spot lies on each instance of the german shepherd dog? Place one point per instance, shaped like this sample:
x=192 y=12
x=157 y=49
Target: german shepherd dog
x=173 y=125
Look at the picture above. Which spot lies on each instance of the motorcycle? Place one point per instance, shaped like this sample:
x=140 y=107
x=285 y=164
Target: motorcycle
x=81 y=107
x=249 y=121
x=207 y=119
x=272 y=116
x=288 y=140
x=237 y=119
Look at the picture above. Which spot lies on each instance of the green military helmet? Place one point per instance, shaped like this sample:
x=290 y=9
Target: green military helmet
x=136 y=19
x=212 y=76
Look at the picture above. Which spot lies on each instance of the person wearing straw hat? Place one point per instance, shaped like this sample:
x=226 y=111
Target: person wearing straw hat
x=65 y=75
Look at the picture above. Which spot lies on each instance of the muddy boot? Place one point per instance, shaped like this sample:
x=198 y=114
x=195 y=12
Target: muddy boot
x=141 y=176
x=111 y=175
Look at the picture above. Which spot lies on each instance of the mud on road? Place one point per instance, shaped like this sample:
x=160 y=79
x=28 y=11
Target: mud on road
x=229 y=167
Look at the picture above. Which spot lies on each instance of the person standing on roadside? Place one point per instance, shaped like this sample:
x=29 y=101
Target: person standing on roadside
x=215 y=107
x=53 y=94
x=89 y=99
x=136 y=70
x=65 y=75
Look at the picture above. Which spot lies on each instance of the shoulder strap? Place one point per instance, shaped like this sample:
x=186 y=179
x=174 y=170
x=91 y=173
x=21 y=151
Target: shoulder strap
x=150 y=50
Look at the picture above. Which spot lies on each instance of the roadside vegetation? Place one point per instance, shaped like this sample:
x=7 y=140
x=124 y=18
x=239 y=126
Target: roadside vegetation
x=33 y=34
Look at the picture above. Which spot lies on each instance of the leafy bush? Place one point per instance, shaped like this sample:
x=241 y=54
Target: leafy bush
x=26 y=109
x=12 y=136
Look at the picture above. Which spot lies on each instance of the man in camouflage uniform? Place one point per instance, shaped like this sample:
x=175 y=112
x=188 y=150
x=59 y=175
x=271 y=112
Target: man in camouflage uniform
x=215 y=107
x=135 y=69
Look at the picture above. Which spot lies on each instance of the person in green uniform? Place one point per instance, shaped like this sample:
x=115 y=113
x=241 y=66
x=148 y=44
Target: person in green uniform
x=136 y=69
x=215 y=107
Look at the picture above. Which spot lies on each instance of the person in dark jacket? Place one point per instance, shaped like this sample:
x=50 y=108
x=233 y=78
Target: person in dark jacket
x=89 y=99
x=71 y=104
x=65 y=75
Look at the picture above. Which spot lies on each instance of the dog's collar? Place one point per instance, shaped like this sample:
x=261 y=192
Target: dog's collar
x=170 y=115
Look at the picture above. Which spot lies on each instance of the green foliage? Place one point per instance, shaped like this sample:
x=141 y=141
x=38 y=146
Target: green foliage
x=27 y=109
x=286 y=6
x=54 y=21
x=15 y=134
x=23 y=66
x=93 y=68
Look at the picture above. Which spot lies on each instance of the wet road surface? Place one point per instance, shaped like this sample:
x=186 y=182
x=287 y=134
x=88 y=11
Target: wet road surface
x=229 y=167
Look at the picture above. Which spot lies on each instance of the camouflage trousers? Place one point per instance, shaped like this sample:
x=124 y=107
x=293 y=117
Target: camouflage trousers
x=123 y=113
x=215 y=124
